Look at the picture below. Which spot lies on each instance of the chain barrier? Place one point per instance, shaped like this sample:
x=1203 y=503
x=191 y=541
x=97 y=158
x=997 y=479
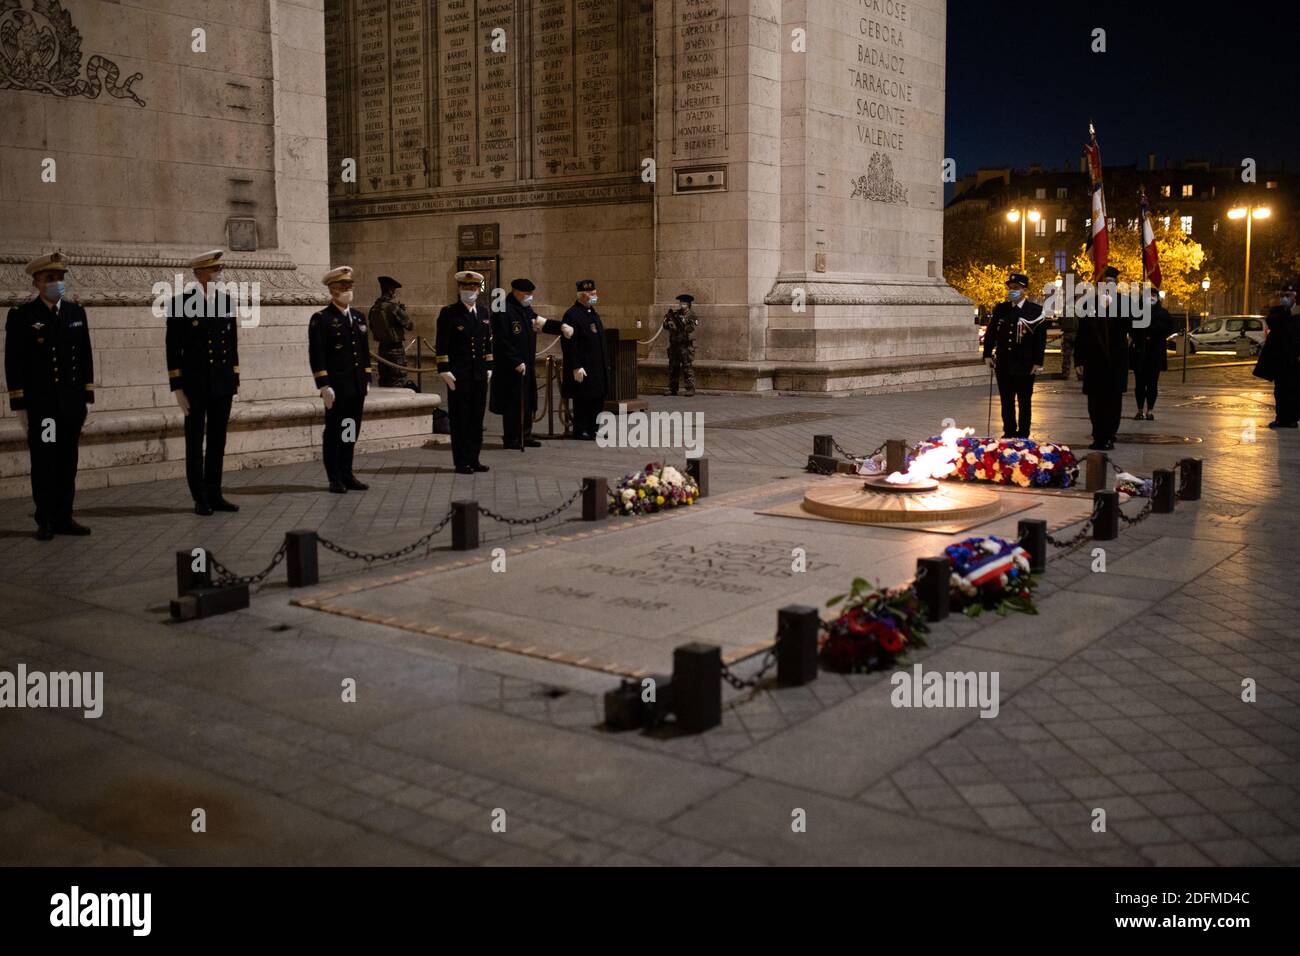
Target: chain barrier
x=740 y=683
x=1069 y=544
x=856 y=458
x=817 y=469
x=353 y=554
x=564 y=506
x=229 y=579
x=1139 y=517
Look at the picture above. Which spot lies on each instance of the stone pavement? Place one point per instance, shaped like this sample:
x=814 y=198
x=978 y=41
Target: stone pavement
x=1123 y=694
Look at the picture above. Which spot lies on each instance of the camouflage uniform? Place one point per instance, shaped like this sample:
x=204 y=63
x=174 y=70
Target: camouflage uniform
x=681 y=325
x=389 y=325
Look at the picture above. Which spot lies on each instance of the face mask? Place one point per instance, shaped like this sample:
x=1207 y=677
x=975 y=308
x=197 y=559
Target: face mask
x=343 y=299
x=528 y=300
x=592 y=300
x=54 y=290
x=1287 y=301
x=1015 y=294
x=468 y=298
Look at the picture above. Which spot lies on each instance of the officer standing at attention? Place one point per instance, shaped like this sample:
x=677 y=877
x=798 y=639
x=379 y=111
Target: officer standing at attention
x=1149 y=357
x=584 y=359
x=464 y=346
x=1101 y=360
x=1013 y=348
x=681 y=324
x=389 y=324
x=1279 y=359
x=339 y=351
x=203 y=371
x=49 y=369
x=514 y=387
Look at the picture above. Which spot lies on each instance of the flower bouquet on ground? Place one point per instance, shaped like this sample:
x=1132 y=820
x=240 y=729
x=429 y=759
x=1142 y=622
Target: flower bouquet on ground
x=990 y=574
x=1010 y=461
x=1132 y=485
x=875 y=626
x=653 y=488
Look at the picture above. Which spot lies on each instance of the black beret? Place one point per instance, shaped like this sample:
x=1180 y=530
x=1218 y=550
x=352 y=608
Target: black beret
x=388 y=282
x=1110 y=273
x=685 y=298
x=586 y=285
x=1018 y=278
x=522 y=285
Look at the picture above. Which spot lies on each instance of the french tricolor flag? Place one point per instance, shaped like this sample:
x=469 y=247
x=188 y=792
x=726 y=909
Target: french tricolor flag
x=1150 y=253
x=1099 y=241
x=994 y=567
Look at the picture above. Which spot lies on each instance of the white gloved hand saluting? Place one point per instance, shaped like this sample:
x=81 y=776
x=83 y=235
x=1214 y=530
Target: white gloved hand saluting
x=521 y=368
x=182 y=400
x=538 y=322
x=327 y=394
x=566 y=330
x=449 y=379
x=580 y=375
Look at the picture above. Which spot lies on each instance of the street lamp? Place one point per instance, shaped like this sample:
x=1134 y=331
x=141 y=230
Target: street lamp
x=1205 y=287
x=1023 y=216
x=1250 y=215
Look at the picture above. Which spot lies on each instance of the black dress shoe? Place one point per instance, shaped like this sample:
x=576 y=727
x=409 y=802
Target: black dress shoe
x=464 y=469
x=1139 y=416
x=221 y=504
x=351 y=484
x=71 y=527
x=338 y=488
x=202 y=508
x=1151 y=416
x=1097 y=446
x=513 y=446
x=44 y=533
x=1109 y=446
x=481 y=467
x=533 y=443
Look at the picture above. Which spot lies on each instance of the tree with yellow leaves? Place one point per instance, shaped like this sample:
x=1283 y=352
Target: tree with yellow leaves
x=1181 y=261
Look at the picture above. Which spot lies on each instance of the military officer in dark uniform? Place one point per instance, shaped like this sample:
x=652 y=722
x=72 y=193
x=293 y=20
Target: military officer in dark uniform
x=1279 y=359
x=203 y=371
x=1101 y=360
x=1149 y=357
x=1013 y=348
x=339 y=350
x=50 y=370
x=681 y=324
x=584 y=359
x=464 y=346
x=514 y=386
x=389 y=325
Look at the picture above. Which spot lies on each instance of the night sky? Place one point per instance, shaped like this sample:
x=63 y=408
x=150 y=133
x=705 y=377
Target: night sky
x=1185 y=81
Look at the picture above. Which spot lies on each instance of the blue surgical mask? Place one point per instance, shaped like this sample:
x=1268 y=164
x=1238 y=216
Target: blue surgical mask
x=593 y=300
x=469 y=298
x=1288 y=301
x=54 y=290
x=528 y=300
x=1015 y=294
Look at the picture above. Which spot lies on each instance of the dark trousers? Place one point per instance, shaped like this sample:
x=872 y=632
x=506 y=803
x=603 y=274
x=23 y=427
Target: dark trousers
x=1146 y=385
x=585 y=410
x=1016 y=390
x=54 y=462
x=336 y=451
x=1105 y=409
x=466 y=404
x=1286 y=398
x=209 y=416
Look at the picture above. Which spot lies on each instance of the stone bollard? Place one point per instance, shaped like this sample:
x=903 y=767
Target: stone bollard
x=798 y=629
x=697 y=687
x=932 y=587
x=206 y=602
x=595 y=499
x=1189 y=479
x=824 y=446
x=895 y=455
x=1033 y=538
x=1105 y=527
x=1098 y=472
x=464 y=525
x=300 y=559
x=698 y=468
x=1164 y=493
x=187 y=579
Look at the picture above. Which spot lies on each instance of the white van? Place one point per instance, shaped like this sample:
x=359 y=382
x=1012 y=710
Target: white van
x=1220 y=333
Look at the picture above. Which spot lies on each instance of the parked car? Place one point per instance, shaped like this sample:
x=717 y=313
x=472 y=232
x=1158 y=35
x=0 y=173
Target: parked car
x=1222 y=332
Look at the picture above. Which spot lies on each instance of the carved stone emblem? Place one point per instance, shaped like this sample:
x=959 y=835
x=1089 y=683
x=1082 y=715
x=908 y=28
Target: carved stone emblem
x=40 y=50
x=879 y=185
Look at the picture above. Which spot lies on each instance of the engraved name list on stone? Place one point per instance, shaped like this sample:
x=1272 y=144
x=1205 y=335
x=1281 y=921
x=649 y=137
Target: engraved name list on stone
x=408 y=31
x=882 y=92
x=371 y=54
x=699 y=77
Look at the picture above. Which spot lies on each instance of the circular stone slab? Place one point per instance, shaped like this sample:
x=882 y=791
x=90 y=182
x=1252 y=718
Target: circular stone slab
x=850 y=502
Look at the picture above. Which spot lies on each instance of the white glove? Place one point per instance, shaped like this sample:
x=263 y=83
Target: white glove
x=22 y=420
x=566 y=330
x=538 y=322
x=521 y=368
x=989 y=362
x=449 y=379
x=182 y=400
x=1035 y=370
x=327 y=393
x=580 y=375
x=489 y=375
